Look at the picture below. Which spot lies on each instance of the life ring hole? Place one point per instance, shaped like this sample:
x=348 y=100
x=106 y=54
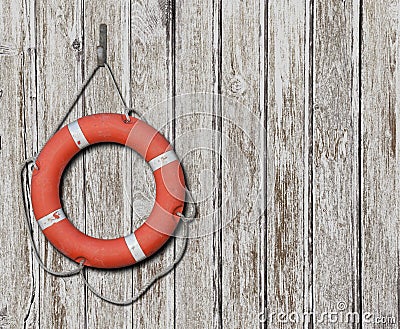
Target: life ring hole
x=114 y=174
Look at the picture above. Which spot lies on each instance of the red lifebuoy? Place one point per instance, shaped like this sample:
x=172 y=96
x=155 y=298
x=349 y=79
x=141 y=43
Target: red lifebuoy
x=150 y=236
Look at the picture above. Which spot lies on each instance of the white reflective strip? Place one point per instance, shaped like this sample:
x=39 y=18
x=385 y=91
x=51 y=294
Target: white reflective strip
x=162 y=160
x=134 y=247
x=77 y=134
x=50 y=219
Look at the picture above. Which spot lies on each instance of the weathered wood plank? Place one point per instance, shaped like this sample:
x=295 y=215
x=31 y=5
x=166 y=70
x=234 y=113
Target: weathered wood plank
x=62 y=301
x=17 y=281
x=313 y=245
x=242 y=165
x=335 y=158
x=380 y=158
x=32 y=318
x=286 y=174
x=197 y=141
x=107 y=170
x=151 y=86
x=264 y=190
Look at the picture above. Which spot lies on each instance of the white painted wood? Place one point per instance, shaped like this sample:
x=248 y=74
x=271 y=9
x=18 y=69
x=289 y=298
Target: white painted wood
x=62 y=302
x=17 y=284
x=287 y=178
x=197 y=134
x=242 y=165
x=32 y=317
x=108 y=211
x=335 y=158
x=307 y=159
x=380 y=159
x=330 y=232
x=150 y=54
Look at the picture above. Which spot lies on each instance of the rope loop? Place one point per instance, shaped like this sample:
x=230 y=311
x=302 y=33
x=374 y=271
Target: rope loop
x=185 y=219
x=141 y=291
x=27 y=207
x=81 y=269
x=190 y=209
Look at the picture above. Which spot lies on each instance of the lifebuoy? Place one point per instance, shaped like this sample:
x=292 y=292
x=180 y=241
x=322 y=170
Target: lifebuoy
x=150 y=236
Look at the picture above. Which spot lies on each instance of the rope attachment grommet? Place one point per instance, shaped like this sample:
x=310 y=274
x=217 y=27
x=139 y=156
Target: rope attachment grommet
x=128 y=112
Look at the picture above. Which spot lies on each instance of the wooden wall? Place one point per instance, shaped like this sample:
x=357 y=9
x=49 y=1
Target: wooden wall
x=286 y=117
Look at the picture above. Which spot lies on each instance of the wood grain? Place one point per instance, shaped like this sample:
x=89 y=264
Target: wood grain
x=242 y=164
x=290 y=146
x=107 y=192
x=335 y=158
x=151 y=87
x=287 y=245
x=62 y=301
x=17 y=284
x=380 y=159
x=198 y=276
x=29 y=73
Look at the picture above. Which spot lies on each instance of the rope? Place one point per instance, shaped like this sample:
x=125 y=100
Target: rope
x=30 y=230
x=81 y=267
x=115 y=84
x=127 y=110
x=155 y=278
x=77 y=97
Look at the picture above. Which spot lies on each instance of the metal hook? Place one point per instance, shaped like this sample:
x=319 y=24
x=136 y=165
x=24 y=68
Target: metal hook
x=102 y=47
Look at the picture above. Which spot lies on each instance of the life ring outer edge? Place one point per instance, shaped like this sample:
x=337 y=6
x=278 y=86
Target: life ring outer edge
x=107 y=253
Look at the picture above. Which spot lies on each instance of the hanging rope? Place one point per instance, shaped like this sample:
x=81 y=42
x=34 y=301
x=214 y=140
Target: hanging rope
x=30 y=228
x=25 y=175
x=153 y=280
x=82 y=89
x=81 y=269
